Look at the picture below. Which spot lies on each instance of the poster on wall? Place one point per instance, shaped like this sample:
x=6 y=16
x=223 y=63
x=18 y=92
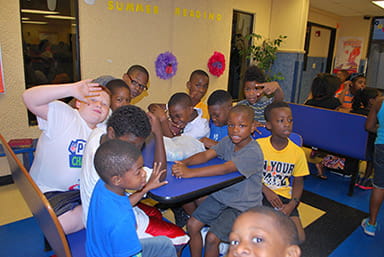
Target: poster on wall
x=1 y=75
x=348 y=54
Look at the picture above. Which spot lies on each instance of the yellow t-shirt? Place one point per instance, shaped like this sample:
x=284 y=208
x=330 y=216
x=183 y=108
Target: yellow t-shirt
x=204 y=108
x=279 y=166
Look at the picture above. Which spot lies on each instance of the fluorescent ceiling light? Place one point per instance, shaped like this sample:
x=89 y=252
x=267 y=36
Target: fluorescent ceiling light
x=25 y=18
x=36 y=22
x=37 y=11
x=60 y=17
x=379 y=3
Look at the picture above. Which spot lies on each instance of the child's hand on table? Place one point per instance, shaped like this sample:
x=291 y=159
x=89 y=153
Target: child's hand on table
x=180 y=170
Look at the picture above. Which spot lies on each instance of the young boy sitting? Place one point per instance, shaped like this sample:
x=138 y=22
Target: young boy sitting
x=121 y=94
x=263 y=231
x=219 y=104
x=65 y=130
x=111 y=224
x=221 y=208
x=259 y=93
x=131 y=124
x=283 y=159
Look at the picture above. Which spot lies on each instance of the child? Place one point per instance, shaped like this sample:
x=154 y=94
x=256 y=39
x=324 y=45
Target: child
x=219 y=104
x=355 y=83
x=221 y=208
x=111 y=225
x=65 y=130
x=131 y=124
x=137 y=79
x=376 y=115
x=259 y=93
x=121 y=94
x=283 y=159
x=197 y=88
x=263 y=231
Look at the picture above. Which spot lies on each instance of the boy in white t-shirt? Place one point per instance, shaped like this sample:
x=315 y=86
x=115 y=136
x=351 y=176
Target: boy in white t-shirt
x=65 y=130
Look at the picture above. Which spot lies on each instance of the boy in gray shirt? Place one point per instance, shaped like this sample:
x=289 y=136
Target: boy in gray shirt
x=221 y=208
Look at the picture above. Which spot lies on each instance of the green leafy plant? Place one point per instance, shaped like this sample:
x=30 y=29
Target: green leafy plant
x=263 y=53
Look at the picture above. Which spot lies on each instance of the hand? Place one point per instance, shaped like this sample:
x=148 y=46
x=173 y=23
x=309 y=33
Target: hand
x=155 y=123
x=154 y=180
x=180 y=170
x=158 y=111
x=288 y=208
x=84 y=89
x=208 y=143
x=270 y=87
x=258 y=124
x=273 y=199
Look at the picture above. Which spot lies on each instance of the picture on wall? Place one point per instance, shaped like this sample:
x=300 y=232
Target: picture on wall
x=348 y=54
x=2 y=87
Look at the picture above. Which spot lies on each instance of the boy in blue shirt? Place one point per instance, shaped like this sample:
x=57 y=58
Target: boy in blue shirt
x=111 y=225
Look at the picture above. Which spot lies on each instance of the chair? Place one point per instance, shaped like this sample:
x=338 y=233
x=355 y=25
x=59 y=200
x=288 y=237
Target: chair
x=294 y=137
x=72 y=245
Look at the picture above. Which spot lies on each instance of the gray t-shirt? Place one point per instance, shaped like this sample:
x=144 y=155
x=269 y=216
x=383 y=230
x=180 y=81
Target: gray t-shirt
x=249 y=162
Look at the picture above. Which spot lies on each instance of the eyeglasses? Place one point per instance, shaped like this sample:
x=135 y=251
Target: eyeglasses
x=137 y=84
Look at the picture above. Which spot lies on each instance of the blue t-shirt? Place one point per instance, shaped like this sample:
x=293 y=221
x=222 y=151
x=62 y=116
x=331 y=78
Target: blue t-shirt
x=111 y=225
x=217 y=133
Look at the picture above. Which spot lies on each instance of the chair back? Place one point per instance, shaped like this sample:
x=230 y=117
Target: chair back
x=264 y=132
x=38 y=204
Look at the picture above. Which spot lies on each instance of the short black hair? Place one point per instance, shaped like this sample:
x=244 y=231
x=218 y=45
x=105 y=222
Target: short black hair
x=180 y=98
x=286 y=226
x=245 y=110
x=325 y=85
x=130 y=119
x=115 y=84
x=138 y=68
x=198 y=72
x=219 y=97
x=274 y=105
x=253 y=73
x=354 y=76
x=361 y=100
x=114 y=158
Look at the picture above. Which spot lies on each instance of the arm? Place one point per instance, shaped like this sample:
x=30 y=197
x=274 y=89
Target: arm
x=160 y=156
x=272 y=197
x=208 y=143
x=275 y=89
x=347 y=85
x=180 y=170
x=37 y=99
x=160 y=112
x=371 y=123
x=297 y=191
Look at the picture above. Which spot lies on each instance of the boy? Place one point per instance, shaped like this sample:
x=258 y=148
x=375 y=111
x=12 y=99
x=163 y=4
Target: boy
x=219 y=104
x=221 y=208
x=355 y=83
x=197 y=88
x=137 y=79
x=131 y=124
x=121 y=94
x=262 y=231
x=259 y=93
x=65 y=130
x=111 y=226
x=282 y=159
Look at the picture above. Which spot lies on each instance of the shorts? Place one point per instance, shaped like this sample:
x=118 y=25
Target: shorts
x=378 y=177
x=63 y=202
x=218 y=216
x=294 y=212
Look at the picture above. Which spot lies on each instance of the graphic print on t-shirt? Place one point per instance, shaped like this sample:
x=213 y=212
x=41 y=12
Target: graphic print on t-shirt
x=276 y=173
x=76 y=150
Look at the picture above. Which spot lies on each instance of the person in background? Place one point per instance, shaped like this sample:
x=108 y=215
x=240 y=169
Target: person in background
x=355 y=83
x=121 y=94
x=137 y=78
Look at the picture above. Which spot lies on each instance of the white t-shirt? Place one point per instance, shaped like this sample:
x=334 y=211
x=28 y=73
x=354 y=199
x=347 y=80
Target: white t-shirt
x=60 y=148
x=89 y=178
x=197 y=128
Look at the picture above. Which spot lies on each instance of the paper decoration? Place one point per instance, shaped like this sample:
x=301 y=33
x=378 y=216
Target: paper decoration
x=216 y=64
x=166 y=65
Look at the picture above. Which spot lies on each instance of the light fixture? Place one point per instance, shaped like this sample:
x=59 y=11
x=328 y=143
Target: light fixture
x=379 y=3
x=60 y=17
x=25 y=18
x=35 y=22
x=37 y=11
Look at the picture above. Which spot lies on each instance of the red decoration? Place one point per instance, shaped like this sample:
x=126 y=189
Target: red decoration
x=216 y=64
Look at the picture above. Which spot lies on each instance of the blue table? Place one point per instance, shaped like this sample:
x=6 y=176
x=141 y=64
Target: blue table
x=183 y=189
x=27 y=152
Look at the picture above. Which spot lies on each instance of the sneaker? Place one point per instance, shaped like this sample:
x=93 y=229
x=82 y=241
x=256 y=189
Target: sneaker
x=368 y=228
x=358 y=181
x=366 y=184
x=181 y=217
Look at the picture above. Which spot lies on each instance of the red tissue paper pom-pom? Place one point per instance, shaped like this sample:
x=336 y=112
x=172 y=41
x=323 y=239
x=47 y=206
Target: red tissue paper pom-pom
x=216 y=64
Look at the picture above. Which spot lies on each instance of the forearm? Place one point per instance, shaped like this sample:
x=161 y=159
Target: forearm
x=279 y=94
x=136 y=197
x=297 y=188
x=213 y=170
x=165 y=128
x=160 y=156
x=198 y=158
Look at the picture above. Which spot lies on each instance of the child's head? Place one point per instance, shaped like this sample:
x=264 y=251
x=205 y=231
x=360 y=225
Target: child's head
x=219 y=104
x=342 y=75
x=103 y=80
x=241 y=125
x=263 y=231
x=180 y=109
x=129 y=123
x=120 y=165
x=252 y=78
x=365 y=99
x=137 y=79
x=197 y=85
x=358 y=82
x=97 y=108
x=278 y=116
x=120 y=93
x=324 y=85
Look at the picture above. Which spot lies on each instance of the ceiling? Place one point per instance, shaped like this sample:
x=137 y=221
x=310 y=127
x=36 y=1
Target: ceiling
x=348 y=7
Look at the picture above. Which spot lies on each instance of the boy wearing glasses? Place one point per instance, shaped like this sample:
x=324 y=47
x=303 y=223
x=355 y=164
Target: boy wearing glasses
x=137 y=79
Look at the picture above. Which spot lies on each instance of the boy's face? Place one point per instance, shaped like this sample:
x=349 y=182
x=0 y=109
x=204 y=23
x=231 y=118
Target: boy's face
x=180 y=115
x=256 y=235
x=240 y=127
x=280 y=123
x=359 y=84
x=197 y=88
x=219 y=114
x=253 y=91
x=135 y=177
x=137 y=82
x=342 y=76
x=138 y=142
x=96 y=110
x=120 y=97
